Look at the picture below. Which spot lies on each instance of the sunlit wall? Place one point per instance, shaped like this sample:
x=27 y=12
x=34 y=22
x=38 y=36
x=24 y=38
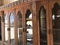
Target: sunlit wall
x=8 y=1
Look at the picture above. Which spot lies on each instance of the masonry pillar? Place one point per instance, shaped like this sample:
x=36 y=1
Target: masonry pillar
x=3 y=27
x=36 y=40
x=8 y=29
x=15 y=29
x=24 y=28
x=49 y=25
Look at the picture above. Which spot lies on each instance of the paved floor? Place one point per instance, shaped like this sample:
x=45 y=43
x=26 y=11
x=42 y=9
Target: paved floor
x=0 y=43
x=28 y=43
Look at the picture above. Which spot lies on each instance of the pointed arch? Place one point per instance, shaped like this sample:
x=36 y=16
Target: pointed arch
x=42 y=8
x=55 y=8
x=19 y=18
x=42 y=25
x=29 y=26
x=28 y=13
x=56 y=23
x=19 y=14
x=11 y=18
x=19 y=24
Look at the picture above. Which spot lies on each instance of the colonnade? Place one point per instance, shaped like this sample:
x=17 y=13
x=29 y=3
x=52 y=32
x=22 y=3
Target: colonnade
x=35 y=8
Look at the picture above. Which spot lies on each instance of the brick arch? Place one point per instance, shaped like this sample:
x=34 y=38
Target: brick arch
x=55 y=7
x=55 y=2
x=42 y=7
x=19 y=13
x=11 y=13
x=42 y=25
x=29 y=8
x=19 y=19
x=44 y=4
x=27 y=12
x=21 y=10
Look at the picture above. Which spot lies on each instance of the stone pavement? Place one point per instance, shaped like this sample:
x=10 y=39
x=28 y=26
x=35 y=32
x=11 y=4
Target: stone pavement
x=28 y=43
x=0 y=43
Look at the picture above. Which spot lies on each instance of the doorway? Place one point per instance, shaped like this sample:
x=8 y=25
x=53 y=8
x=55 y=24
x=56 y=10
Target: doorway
x=29 y=28
x=42 y=25
x=56 y=24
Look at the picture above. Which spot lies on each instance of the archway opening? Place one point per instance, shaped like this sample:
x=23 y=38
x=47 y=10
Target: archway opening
x=42 y=25
x=12 y=28
x=6 y=26
x=56 y=23
x=20 y=29
x=29 y=29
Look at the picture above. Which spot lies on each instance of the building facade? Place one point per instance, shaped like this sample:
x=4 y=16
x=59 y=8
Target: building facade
x=30 y=22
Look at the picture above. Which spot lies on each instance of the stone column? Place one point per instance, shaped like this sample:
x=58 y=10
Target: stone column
x=8 y=29
x=36 y=40
x=24 y=28
x=2 y=27
x=15 y=29
x=50 y=31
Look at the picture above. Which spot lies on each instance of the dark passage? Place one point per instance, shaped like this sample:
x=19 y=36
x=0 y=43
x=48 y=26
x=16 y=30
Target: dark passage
x=43 y=28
